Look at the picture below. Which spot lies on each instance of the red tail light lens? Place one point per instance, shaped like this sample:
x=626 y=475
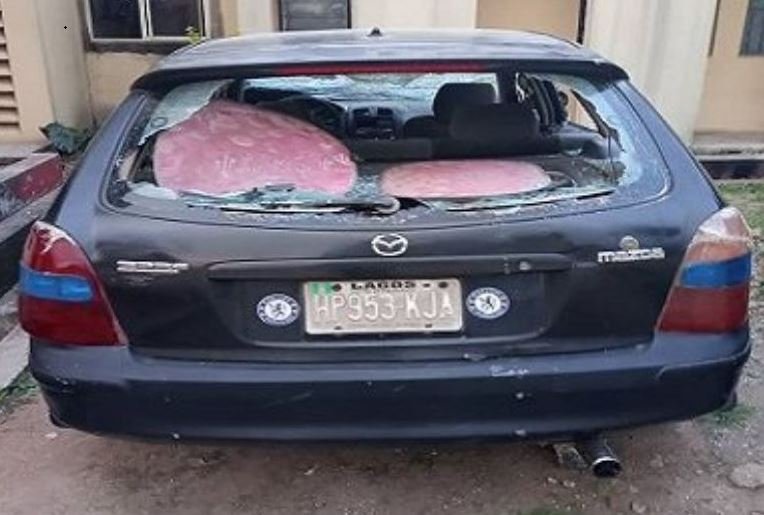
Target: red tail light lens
x=61 y=299
x=710 y=292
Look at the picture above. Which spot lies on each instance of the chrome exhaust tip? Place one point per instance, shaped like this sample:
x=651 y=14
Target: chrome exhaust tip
x=601 y=459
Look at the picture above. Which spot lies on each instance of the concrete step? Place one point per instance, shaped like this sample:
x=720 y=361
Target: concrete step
x=28 y=187
x=14 y=355
x=22 y=181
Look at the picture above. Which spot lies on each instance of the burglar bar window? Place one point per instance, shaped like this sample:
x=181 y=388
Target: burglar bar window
x=145 y=19
x=314 y=14
x=753 y=34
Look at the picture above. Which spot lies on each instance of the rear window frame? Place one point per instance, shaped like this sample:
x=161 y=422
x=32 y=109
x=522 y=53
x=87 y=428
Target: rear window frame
x=611 y=81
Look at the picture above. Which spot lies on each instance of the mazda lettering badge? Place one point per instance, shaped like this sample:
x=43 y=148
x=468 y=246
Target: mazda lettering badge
x=389 y=245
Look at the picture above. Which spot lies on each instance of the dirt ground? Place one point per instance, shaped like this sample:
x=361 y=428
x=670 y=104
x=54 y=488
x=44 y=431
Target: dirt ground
x=684 y=468
x=672 y=469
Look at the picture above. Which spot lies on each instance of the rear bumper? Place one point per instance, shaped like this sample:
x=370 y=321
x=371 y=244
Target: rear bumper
x=115 y=391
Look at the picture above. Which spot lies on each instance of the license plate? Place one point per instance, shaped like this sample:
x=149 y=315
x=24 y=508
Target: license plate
x=383 y=306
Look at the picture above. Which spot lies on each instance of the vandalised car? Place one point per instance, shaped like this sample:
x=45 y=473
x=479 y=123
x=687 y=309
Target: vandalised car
x=352 y=235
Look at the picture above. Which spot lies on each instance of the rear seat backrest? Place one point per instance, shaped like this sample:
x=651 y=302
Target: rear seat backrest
x=449 y=97
x=495 y=130
x=498 y=123
x=457 y=95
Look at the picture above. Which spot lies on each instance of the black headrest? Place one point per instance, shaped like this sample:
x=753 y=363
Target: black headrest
x=495 y=124
x=455 y=94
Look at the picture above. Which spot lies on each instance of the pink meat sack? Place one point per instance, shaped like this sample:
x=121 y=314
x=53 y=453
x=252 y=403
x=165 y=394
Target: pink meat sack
x=463 y=179
x=228 y=147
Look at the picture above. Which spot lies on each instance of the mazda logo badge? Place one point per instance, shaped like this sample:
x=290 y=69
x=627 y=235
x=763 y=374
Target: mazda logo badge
x=389 y=245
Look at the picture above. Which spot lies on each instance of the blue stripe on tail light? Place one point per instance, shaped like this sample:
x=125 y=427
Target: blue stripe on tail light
x=59 y=287
x=719 y=274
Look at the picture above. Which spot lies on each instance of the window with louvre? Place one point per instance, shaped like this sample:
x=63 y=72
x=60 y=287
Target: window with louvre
x=9 y=112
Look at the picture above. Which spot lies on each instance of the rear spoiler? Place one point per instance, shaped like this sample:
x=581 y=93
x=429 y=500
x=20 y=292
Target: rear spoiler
x=165 y=78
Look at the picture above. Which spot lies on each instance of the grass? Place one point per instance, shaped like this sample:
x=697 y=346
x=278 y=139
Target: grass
x=731 y=418
x=748 y=196
x=23 y=387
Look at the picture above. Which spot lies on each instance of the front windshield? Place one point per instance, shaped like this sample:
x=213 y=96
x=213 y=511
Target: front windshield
x=382 y=142
x=413 y=93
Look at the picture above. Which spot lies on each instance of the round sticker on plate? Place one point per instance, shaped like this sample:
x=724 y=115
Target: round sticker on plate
x=278 y=310
x=488 y=303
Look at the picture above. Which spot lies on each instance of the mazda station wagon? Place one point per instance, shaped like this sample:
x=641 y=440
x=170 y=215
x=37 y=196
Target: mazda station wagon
x=380 y=234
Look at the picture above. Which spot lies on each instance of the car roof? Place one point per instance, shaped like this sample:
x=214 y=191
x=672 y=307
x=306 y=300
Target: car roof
x=376 y=46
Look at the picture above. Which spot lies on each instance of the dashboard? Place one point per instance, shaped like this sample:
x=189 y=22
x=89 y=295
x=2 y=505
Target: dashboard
x=354 y=120
x=373 y=122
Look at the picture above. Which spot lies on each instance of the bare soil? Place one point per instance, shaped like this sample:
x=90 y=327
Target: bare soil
x=672 y=469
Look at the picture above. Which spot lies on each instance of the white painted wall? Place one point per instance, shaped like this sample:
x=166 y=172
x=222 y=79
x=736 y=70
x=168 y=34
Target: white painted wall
x=663 y=44
x=414 y=13
x=257 y=16
x=64 y=53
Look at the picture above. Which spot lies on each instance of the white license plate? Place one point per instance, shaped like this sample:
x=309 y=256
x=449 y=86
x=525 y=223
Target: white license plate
x=383 y=306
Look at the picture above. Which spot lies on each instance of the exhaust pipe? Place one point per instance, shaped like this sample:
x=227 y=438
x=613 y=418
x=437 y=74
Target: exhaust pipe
x=601 y=459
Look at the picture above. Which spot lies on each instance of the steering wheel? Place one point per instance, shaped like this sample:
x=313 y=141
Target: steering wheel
x=322 y=113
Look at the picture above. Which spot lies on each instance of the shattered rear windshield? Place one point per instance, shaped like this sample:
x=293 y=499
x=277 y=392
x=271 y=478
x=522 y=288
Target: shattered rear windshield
x=380 y=143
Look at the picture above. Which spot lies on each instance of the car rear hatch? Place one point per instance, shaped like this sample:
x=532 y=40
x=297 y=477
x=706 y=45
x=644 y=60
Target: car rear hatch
x=193 y=290
x=570 y=266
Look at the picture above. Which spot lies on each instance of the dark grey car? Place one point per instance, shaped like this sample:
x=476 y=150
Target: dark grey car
x=344 y=235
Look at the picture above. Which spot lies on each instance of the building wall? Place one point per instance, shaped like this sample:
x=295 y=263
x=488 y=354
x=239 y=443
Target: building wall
x=262 y=15
x=733 y=98
x=27 y=66
x=63 y=44
x=229 y=17
x=111 y=74
x=413 y=14
x=557 y=17
x=45 y=51
x=663 y=44
x=257 y=16
x=663 y=48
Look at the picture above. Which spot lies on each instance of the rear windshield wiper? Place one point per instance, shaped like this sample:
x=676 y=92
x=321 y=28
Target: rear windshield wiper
x=284 y=204
x=529 y=199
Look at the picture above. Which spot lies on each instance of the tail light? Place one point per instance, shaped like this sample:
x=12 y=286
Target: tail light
x=710 y=292
x=61 y=299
